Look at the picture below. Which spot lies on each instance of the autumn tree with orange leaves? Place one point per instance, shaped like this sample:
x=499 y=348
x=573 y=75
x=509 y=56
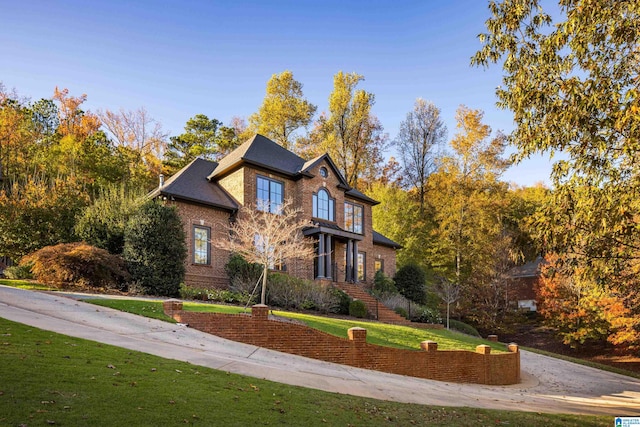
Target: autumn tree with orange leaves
x=580 y=310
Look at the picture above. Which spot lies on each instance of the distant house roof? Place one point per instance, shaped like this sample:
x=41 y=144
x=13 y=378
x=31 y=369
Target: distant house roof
x=530 y=269
x=191 y=184
x=261 y=151
x=379 y=239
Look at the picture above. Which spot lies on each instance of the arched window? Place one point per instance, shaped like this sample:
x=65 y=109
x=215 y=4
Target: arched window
x=323 y=205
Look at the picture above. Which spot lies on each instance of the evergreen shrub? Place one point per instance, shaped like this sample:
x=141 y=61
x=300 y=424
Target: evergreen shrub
x=357 y=309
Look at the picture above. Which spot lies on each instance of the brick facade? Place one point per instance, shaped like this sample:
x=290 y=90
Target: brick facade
x=301 y=193
x=211 y=275
x=480 y=367
x=236 y=178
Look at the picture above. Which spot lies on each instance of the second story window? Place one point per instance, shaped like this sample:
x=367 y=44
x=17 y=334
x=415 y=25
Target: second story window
x=353 y=217
x=270 y=195
x=323 y=205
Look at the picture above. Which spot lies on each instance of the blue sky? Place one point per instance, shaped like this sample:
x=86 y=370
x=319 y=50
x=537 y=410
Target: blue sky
x=181 y=58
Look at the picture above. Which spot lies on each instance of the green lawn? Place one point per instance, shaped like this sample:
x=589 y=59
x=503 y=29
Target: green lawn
x=25 y=284
x=377 y=333
x=52 y=379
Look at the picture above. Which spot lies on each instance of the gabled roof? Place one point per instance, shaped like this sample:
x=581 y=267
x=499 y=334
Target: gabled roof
x=379 y=239
x=261 y=151
x=190 y=184
x=358 y=195
x=530 y=269
x=351 y=192
x=325 y=157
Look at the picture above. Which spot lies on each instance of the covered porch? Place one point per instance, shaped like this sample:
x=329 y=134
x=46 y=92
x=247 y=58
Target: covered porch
x=336 y=252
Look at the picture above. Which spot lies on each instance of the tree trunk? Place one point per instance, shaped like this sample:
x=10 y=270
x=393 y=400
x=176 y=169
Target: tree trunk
x=263 y=297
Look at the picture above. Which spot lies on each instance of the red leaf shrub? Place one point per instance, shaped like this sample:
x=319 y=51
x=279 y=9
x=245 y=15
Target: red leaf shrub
x=77 y=265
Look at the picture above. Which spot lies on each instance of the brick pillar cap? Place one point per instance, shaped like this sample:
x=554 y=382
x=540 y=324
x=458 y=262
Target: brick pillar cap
x=172 y=300
x=483 y=349
x=357 y=328
x=260 y=306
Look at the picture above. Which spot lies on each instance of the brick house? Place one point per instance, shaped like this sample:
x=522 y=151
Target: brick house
x=522 y=281
x=260 y=172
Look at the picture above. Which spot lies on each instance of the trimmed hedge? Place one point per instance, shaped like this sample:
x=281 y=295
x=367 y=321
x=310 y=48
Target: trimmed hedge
x=358 y=309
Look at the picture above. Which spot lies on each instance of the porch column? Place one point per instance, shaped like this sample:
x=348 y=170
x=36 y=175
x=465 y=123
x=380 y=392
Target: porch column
x=355 y=261
x=328 y=272
x=349 y=250
x=321 y=255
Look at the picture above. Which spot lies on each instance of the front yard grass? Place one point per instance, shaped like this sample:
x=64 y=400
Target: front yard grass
x=25 y=284
x=53 y=379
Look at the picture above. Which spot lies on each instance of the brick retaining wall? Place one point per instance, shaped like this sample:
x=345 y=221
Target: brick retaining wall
x=462 y=366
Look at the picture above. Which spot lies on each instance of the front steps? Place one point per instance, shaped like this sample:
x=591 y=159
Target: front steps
x=376 y=309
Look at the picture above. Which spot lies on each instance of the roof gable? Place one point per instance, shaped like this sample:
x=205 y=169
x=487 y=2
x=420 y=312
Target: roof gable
x=260 y=151
x=190 y=183
x=325 y=157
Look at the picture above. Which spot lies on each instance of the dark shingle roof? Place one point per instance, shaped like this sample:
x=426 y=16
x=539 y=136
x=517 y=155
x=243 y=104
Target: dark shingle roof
x=530 y=269
x=191 y=184
x=261 y=151
x=379 y=239
x=358 y=195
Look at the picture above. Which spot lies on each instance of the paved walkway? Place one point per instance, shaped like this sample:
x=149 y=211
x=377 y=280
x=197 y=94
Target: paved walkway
x=549 y=385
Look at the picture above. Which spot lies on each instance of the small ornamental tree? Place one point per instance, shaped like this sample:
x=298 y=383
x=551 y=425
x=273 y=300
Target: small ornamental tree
x=449 y=292
x=155 y=250
x=410 y=281
x=268 y=238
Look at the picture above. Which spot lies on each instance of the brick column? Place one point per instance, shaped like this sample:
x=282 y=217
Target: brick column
x=513 y=348
x=485 y=369
x=171 y=307
x=260 y=312
x=430 y=346
x=483 y=349
x=492 y=338
x=358 y=336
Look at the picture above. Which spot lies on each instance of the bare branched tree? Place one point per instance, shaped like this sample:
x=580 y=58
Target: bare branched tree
x=421 y=135
x=136 y=130
x=448 y=291
x=268 y=239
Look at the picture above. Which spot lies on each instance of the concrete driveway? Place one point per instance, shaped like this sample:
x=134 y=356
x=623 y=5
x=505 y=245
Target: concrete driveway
x=549 y=385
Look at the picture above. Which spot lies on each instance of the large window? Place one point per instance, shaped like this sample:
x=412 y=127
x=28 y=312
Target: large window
x=323 y=205
x=378 y=265
x=269 y=195
x=353 y=217
x=201 y=247
x=362 y=258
